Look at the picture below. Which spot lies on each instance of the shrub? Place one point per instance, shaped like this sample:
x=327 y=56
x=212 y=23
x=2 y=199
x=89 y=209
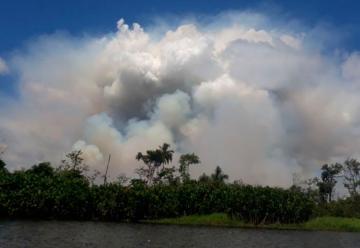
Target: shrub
x=41 y=192
x=264 y=205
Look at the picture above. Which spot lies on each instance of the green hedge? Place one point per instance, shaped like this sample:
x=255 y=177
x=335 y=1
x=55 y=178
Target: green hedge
x=264 y=205
x=69 y=195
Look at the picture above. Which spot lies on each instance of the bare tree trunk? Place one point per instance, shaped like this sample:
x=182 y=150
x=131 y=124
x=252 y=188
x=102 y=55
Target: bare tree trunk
x=107 y=168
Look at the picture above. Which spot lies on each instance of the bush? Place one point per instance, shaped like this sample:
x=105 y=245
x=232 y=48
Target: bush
x=265 y=205
x=42 y=192
x=348 y=207
x=110 y=202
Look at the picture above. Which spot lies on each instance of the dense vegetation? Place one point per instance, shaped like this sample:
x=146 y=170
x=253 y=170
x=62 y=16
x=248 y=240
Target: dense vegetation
x=68 y=192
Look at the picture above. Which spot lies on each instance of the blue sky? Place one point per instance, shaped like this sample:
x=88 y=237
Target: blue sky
x=21 y=21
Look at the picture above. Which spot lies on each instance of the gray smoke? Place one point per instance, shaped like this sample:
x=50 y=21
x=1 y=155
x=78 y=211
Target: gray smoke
x=258 y=100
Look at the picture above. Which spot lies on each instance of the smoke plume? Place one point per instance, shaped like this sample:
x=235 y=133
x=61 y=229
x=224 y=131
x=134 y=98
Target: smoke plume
x=261 y=101
x=3 y=67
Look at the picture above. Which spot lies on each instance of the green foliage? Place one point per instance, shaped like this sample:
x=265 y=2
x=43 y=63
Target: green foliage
x=42 y=192
x=42 y=169
x=263 y=205
x=153 y=160
x=333 y=224
x=328 y=181
x=2 y=165
x=141 y=202
x=202 y=198
x=348 y=207
x=220 y=219
x=74 y=162
x=351 y=170
x=215 y=219
x=219 y=176
x=204 y=178
x=67 y=192
x=110 y=202
x=184 y=162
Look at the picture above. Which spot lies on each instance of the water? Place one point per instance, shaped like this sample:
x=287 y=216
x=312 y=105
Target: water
x=42 y=234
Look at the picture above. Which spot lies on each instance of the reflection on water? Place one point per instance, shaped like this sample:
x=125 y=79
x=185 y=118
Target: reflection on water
x=95 y=234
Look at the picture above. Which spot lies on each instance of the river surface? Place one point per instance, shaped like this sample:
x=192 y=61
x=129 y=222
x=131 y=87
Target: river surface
x=42 y=234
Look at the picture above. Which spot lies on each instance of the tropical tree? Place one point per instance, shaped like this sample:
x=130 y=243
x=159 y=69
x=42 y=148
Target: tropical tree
x=2 y=162
x=167 y=175
x=204 y=178
x=351 y=170
x=155 y=161
x=2 y=165
x=73 y=160
x=328 y=180
x=185 y=161
x=122 y=179
x=218 y=175
x=42 y=169
x=73 y=165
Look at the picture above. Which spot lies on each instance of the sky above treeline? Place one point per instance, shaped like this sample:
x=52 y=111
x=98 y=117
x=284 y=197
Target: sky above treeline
x=22 y=20
x=265 y=89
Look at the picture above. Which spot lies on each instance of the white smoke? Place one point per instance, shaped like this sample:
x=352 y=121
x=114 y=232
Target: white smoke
x=257 y=100
x=4 y=69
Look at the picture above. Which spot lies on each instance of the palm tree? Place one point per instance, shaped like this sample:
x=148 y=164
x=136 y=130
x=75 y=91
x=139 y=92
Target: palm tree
x=185 y=161
x=219 y=176
x=154 y=159
x=165 y=154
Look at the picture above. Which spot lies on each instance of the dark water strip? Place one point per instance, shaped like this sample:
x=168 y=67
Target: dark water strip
x=43 y=234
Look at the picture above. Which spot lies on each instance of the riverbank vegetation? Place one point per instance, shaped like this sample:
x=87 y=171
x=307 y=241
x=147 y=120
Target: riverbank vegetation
x=223 y=220
x=69 y=191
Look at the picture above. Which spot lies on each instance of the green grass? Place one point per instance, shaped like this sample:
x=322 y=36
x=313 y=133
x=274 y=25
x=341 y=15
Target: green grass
x=219 y=219
x=333 y=224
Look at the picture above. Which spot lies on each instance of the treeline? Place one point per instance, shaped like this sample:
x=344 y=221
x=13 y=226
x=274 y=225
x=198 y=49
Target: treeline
x=322 y=189
x=160 y=191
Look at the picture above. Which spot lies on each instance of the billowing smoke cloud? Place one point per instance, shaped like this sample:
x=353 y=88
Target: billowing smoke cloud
x=257 y=100
x=3 y=67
